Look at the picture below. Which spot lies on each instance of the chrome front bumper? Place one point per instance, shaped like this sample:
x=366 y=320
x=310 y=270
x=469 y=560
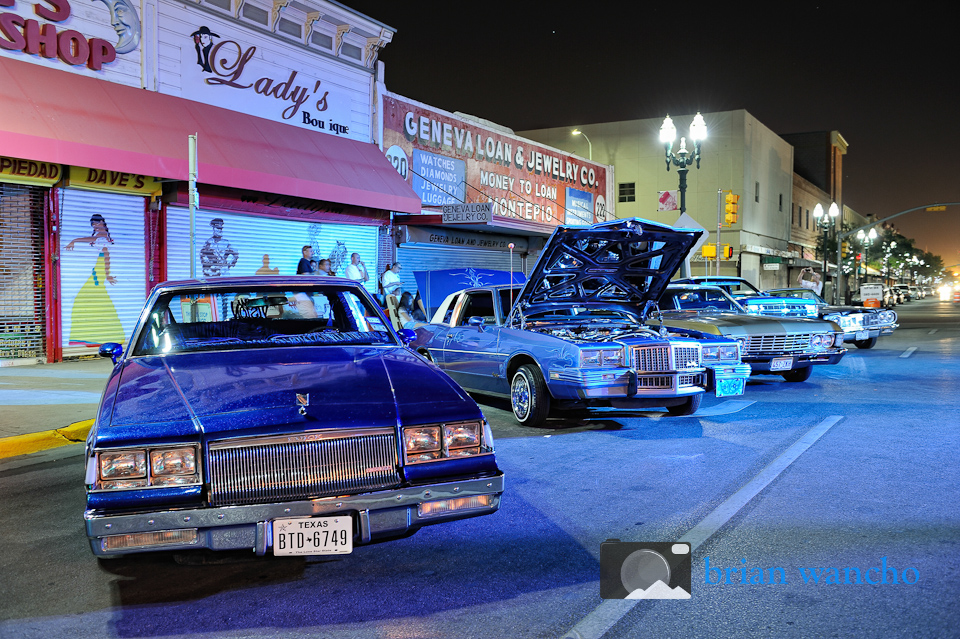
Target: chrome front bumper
x=614 y=383
x=378 y=514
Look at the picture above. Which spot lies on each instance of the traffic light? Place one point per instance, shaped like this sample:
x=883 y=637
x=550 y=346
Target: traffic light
x=733 y=205
x=859 y=257
x=845 y=249
x=727 y=252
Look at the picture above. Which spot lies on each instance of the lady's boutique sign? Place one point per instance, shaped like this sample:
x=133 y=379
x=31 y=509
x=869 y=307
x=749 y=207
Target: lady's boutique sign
x=222 y=69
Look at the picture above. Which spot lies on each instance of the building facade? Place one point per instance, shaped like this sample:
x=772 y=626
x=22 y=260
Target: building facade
x=740 y=155
x=100 y=100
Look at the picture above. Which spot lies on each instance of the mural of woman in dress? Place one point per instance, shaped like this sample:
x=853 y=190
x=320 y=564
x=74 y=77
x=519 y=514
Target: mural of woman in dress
x=94 y=319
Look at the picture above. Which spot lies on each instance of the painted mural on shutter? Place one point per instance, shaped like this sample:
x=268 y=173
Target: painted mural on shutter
x=102 y=268
x=237 y=244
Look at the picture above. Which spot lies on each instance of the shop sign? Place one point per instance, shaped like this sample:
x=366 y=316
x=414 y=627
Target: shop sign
x=224 y=70
x=449 y=159
x=45 y=40
x=19 y=171
x=472 y=213
x=112 y=181
x=453 y=239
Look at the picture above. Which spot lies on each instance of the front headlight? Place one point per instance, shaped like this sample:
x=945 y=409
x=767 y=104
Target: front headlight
x=146 y=468
x=459 y=439
x=731 y=351
x=711 y=353
x=600 y=358
x=888 y=317
x=821 y=341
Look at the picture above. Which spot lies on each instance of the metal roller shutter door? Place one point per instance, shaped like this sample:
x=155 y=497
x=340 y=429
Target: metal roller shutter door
x=22 y=312
x=432 y=258
x=256 y=245
x=102 y=268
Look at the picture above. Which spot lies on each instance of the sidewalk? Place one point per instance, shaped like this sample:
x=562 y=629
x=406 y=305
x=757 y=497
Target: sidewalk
x=48 y=405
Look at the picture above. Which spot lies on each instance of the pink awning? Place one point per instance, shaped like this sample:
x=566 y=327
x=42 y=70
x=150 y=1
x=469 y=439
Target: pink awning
x=52 y=116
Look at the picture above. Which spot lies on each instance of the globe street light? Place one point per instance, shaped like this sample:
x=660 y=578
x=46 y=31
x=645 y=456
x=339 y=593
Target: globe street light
x=865 y=240
x=589 y=145
x=682 y=159
x=825 y=222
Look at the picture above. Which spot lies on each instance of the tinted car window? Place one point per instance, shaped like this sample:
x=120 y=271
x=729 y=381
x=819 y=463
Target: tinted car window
x=478 y=305
x=184 y=321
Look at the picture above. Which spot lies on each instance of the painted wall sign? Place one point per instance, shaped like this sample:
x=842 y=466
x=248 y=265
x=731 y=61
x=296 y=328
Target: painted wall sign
x=114 y=181
x=447 y=237
x=450 y=159
x=47 y=40
x=221 y=68
x=20 y=171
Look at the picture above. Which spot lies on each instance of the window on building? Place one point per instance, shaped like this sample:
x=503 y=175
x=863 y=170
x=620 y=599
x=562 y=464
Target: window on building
x=289 y=27
x=322 y=40
x=781 y=203
x=627 y=192
x=756 y=193
x=255 y=13
x=350 y=51
x=808 y=219
x=223 y=4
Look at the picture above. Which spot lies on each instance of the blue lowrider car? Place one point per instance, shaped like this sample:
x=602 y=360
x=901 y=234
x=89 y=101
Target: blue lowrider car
x=280 y=415
x=573 y=336
x=861 y=325
x=755 y=301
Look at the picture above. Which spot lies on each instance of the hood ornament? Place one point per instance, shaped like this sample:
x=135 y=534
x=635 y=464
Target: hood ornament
x=303 y=400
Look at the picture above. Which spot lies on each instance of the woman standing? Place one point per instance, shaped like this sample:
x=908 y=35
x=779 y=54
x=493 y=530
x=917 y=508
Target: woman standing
x=94 y=318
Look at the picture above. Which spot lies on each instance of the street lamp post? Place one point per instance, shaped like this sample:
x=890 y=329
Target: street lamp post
x=682 y=158
x=589 y=144
x=824 y=222
x=865 y=240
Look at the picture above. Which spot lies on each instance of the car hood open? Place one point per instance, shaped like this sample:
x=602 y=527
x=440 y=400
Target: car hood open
x=241 y=393
x=625 y=263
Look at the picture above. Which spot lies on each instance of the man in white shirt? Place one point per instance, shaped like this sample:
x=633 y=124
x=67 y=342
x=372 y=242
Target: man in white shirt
x=391 y=280
x=814 y=284
x=356 y=269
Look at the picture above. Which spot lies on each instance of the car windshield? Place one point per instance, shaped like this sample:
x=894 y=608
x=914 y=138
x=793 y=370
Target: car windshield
x=237 y=319
x=698 y=299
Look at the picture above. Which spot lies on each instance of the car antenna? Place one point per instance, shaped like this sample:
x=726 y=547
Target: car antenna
x=510 y=246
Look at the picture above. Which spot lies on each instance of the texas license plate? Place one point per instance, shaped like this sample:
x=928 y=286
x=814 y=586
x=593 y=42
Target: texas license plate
x=728 y=387
x=862 y=335
x=781 y=364
x=313 y=536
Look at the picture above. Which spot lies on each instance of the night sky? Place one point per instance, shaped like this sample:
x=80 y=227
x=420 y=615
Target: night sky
x=887 y=79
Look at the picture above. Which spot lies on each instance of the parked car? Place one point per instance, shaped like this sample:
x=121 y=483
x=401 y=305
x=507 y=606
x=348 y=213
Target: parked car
x=573 y=336
x=903 y=292
x=860 y=325
x=785 y=346
x=755 y=301
x=281 y=415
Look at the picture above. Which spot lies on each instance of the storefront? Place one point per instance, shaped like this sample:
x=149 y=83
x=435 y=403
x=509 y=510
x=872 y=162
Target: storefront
x=24 y=198
x=285 y=159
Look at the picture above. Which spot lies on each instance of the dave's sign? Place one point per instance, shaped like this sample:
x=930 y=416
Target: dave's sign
x=114 y=181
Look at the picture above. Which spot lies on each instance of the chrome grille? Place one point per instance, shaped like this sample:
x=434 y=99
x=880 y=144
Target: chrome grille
x=651 y=358
x=654 y=381
x=690 y=380
x=792 y=342
x=686 y=356
x=316 y=464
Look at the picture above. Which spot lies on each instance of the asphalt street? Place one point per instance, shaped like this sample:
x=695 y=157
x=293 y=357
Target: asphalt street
x=853 y=469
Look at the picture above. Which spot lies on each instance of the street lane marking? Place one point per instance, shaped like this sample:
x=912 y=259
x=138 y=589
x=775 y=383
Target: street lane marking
x=607 y=614
x=932 y=332
x=907 y=353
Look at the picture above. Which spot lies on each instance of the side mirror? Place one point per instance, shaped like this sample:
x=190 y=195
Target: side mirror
x=476 y=321
x=407 y=336
x=111 y=350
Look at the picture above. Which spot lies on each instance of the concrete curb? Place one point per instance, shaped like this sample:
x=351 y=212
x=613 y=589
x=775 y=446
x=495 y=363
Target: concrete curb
x=35 y=442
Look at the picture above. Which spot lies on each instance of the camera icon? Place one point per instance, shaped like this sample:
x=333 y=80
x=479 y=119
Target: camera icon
x=644 y=570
